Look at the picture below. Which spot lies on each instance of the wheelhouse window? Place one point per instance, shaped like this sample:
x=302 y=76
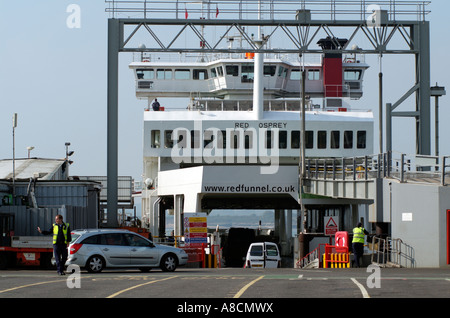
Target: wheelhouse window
x=156 y=134
x=296 y=75
x=295 y=139
x=282 y=72
x=321 y=139
x=234 y=135
x=208 y=137
x=248 y=142
x=309 y=139
x=352 y=75
x=313 y=75
x=182 y=74
x=269 y=139
x=213 y=72
x=247 y=73
x=361 y=139
x=217 y=71
x=232 y=70
x=269 y=70
x=220 y=70
x=335 y=139
x=348 y=139
x=200 y=74
x=165 y=74
x=195 y=139
x=282 y=142
x=222 y=139
x=145 y=73
x=168 y=142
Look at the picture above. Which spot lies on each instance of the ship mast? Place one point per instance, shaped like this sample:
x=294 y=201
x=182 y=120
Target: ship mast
x=258 y=101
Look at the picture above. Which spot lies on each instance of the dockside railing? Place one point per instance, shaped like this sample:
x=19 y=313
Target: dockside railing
x=391 y=252
x=403 y=167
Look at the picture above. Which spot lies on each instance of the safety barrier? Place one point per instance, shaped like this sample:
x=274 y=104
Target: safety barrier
x=213 y=258
x=195 y=254
x=336 y=260
x=339 y=259
x=207 y=257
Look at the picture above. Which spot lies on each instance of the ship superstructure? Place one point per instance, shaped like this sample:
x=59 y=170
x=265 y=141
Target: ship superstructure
x=235 y=141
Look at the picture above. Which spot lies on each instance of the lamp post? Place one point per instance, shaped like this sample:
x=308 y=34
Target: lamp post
x=14 y=154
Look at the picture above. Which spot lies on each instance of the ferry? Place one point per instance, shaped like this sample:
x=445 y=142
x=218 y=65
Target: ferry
x=235 y=143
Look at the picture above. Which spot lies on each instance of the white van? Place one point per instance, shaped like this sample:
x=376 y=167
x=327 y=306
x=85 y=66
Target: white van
x=263 y=255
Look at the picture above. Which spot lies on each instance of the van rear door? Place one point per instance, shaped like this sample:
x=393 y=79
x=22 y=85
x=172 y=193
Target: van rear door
x=256 y=255
x=272 y=255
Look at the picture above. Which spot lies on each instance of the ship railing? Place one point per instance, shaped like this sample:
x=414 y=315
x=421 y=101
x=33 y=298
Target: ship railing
x=269 y=105
x=403 y=167
x=266 y=9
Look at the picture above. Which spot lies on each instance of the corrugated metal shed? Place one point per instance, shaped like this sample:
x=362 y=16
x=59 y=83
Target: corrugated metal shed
x=27 y=220
x=46 y=169
x=57 y=193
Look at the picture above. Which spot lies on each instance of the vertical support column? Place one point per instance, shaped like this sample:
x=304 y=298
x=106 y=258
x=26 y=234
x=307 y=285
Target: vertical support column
x=388 y=127
x=448 y=237
x=258 y=86
x=178 y=215
x=112 y=117
x=423 y=126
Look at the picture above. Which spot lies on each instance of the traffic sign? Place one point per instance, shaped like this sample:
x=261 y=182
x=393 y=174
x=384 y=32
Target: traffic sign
x=331 y=225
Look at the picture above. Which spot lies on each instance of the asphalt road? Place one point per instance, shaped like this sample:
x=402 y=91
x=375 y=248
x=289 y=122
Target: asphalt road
x=253 y=289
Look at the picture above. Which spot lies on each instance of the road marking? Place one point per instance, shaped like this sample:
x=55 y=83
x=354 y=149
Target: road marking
x=136 y=286
x=243 y=289
x=361 y=287
x=29 y=285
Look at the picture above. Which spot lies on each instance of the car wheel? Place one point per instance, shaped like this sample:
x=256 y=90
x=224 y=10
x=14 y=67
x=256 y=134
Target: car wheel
x=168 y=263
x=95 y=264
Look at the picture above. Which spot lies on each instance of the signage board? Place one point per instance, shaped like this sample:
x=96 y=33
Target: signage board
x=331 y=225
x=195 y=229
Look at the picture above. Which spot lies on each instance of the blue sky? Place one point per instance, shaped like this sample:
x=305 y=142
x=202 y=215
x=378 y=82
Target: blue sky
x=54 y=77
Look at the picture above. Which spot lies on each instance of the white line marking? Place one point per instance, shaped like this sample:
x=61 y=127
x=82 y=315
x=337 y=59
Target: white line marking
x=361 y=287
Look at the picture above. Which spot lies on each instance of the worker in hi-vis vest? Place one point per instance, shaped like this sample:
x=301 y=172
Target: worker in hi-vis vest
x=61 y=241
x=358 y=243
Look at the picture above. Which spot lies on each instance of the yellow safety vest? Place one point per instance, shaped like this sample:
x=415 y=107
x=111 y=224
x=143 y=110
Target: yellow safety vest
x=358 y=235
x=65 y=227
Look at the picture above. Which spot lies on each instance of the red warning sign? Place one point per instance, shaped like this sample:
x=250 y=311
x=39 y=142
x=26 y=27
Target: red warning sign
x=331 y=225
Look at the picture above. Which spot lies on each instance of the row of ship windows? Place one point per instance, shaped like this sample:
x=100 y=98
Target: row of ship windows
x=247 y=73
x=318 y=138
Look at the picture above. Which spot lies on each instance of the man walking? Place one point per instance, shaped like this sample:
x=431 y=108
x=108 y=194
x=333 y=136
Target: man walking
x=61 y=240
x=358 y=243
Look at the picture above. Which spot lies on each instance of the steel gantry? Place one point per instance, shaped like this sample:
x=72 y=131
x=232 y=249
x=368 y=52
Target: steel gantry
x=298 y=23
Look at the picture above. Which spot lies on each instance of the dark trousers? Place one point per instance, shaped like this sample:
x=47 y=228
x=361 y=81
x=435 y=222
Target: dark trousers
x=358 y=251
x=60 y=251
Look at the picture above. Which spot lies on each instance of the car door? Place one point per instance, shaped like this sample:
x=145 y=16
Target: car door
x=272 y=255
x=142 y=251
x=115 y=248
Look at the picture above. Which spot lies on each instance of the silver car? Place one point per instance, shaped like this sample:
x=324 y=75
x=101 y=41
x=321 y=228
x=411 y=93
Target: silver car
x=97 y=249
